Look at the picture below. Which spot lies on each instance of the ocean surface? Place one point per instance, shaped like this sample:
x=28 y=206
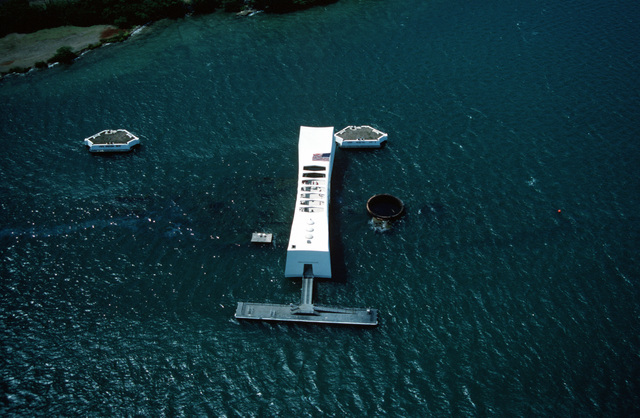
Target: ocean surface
x=509 y=288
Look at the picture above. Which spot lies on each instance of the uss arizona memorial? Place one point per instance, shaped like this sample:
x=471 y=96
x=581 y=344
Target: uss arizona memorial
x=308 y=253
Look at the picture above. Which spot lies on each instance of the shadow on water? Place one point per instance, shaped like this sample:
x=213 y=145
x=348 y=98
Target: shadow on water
x=336 y=246
x=136 y=149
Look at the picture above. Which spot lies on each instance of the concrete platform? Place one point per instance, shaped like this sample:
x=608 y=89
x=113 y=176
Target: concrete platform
x=312 y=314
x=111 y=141
x=261 y=238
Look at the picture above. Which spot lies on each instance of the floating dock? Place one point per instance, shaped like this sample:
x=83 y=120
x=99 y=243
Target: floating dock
x=360 y=137
x=308 y=254
x=112 y=140
x=261 y=238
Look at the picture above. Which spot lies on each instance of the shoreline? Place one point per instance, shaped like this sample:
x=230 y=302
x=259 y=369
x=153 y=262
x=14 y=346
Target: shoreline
x=20 y=53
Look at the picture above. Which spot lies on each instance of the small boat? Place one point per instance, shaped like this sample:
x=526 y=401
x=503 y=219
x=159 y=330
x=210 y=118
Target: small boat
x=109 y=140
x=360 y=137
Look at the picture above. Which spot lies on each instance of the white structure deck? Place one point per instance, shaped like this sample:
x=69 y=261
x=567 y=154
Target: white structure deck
x=308 y=252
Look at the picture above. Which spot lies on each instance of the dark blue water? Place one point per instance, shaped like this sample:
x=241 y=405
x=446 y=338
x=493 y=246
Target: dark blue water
x=509 y=288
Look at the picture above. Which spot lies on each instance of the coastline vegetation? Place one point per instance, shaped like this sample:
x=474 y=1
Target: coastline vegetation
x=25 y=16
x=19 y=17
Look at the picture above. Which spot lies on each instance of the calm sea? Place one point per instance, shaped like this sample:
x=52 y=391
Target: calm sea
x=510 y=288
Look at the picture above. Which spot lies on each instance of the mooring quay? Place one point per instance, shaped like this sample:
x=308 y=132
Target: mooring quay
x=320 y=314
x=308 y=254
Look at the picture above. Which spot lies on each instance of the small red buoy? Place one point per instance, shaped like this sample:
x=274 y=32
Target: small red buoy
x=559 y=210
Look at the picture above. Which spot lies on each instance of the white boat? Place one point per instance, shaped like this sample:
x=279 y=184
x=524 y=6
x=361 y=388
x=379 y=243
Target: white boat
x=110 y=140
x=360 y=137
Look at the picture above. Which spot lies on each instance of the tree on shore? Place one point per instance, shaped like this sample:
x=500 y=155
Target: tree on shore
x=22 y=17
x=64 y=55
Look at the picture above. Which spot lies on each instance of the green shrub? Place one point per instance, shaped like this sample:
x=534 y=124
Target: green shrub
x=122 y=22
x=64 y=55
x=205 y=6
x=233 y=6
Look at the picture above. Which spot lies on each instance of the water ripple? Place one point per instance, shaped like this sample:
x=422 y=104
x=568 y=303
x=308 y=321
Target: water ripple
x=506 y=289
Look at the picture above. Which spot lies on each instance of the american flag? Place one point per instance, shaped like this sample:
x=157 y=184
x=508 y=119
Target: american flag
x=322 y=157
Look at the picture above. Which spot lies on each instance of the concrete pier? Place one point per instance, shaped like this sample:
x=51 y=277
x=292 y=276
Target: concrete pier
x=318 y=314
